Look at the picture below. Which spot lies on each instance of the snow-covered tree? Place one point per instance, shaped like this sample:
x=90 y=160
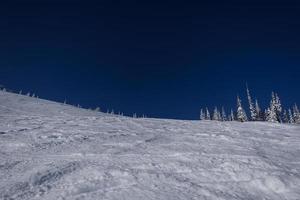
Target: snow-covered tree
x=202 y=115
x=223 y=115
x=241 y=114
x=259 y=112
x=207 y=115
x=271 y=115
x=232 y=118
x=296 y=114
x=216 y=114
x=278 y=107
x=274 y=111
x=291 y=117
x=285 y=117
x=219 y=116
x=253 y=113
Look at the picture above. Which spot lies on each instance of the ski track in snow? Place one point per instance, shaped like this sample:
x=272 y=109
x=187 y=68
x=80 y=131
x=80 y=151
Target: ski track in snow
x=53 y=151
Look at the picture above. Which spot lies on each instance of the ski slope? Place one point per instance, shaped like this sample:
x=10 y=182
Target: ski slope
x=53 y=151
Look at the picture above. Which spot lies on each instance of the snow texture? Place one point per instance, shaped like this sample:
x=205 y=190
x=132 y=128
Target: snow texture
x=53 y=151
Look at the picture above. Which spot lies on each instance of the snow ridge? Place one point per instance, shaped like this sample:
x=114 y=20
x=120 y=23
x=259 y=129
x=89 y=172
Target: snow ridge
x=54 y=151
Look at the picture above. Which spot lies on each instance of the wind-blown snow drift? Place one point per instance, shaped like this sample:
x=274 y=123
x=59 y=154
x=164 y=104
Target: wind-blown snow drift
x=54 y=151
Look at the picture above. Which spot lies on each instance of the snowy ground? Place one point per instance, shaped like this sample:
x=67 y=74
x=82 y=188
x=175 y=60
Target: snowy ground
x=54 y=151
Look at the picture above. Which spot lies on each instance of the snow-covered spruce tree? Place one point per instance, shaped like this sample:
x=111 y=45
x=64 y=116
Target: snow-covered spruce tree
x=278 y=108
x=223 y=115
x=219 y=116
x=232 y=118
x=274 y=111
x=271 y=113
x=207 y=115
x=253 y=113
x=216 y=115
x=265 y=113
x=285 y=118
x=241 y=114
x=296 y=114
x=291 y=117
x=259 y=112
x=202 y=115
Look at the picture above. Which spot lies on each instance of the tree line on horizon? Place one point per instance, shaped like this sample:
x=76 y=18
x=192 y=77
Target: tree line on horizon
x=274 y=113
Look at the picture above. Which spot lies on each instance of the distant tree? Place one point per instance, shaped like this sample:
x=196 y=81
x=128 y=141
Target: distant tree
x=265 y=113
x=216 y=114
x=202 y=115
x=241 y=114
x=278 y=107
x=271 y=113
x=274 y=111
x=20 y=92
x=253 y=112
x=219 y=116
x=285 y=117
x=223 y=115
x=134 y=115
x=259 y=112
x=296 y=114
x=207 y=116
x=97 y=109
x=291 y=117
x=232 y=118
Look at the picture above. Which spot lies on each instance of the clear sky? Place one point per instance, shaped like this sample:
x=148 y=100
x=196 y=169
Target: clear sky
x=163 y=59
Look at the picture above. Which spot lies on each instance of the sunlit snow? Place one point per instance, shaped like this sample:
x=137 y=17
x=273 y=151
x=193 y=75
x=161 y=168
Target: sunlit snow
x=53 y=151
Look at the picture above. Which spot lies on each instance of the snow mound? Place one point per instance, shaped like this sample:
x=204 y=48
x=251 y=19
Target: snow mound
x=53 y=151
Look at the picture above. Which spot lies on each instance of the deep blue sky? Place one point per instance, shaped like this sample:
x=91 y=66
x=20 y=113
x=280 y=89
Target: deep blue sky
x=163 y=59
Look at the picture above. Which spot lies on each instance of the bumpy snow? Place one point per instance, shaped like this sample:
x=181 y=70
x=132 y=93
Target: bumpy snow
x=53 y=151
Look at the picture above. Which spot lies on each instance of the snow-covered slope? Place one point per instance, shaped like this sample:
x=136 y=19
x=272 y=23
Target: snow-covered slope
x=54 y=151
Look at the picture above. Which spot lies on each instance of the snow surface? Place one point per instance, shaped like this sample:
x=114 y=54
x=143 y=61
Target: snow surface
x=53 y=151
